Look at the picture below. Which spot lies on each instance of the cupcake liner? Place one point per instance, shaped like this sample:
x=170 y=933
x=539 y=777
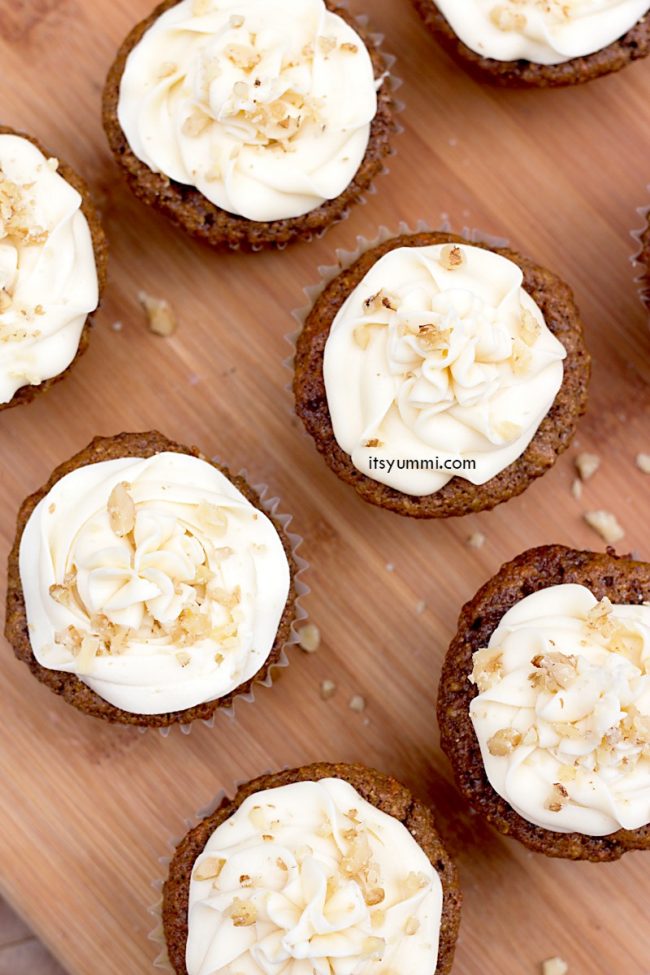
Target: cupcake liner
x=642 y=275
x=157 y=936
x=395 y=82
x=345 y=258
x=270 y=505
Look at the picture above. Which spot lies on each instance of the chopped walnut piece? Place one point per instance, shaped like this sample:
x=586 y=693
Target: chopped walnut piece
x=506 y=19
x=476 y=540
x=587 y=464
x=209 y=869
x=183 y=658
x=162 y=320
x=451 y=257
x=213 y=517
x=237 y=21
x=553 y=671
x=487 y=668
x=349 y=48
x=327 y=689
x=121 y=510
x=242 y=913
x=554 y=966
x=374 y=896
x=415 y=882
x=606 y=524
x=576 y=488
x=558 y=798
x=357 y=703
x=521 y=359
x=309 y=638
x=243 y=56
x=529 y=328
x=504 y=742
x=643 y=462
x=432 y=337
x=327 y=44
x=373 y=443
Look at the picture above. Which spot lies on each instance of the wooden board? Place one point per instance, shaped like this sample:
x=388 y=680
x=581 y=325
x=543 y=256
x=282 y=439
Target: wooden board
x=86 y=810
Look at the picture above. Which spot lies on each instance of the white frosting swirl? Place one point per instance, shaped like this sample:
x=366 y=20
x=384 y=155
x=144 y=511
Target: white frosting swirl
x=563 y=713
x=48 y=277
x=310 y=879
x=541 y=31
x=155 y=581
x=264 y=106
x=437 y=359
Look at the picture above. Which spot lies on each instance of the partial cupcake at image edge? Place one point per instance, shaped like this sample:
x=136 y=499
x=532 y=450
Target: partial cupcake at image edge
x=642 y=258
x=523 y=43
x=148 y=585
x=430 y=354
x=239 y=882
x=53 y=262
x=254 y=127
x=544 y=703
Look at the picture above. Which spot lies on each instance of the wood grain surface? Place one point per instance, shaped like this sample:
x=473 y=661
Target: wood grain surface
x=86 y=810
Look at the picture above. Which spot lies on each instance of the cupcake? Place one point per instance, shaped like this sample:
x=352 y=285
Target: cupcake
x=146 y=584
x=540 y=43
x=323 y=869
x=544 y=703
x=250 y=123
x=440 y=377
x=644 y=260
x=53 y=259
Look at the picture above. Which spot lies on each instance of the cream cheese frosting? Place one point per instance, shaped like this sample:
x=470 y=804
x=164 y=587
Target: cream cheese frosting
x=541 y=31
x=563 y=711
x=154 y=580
x=311 y=879
x=264 y=106
x=438 y=364
x=48 y=275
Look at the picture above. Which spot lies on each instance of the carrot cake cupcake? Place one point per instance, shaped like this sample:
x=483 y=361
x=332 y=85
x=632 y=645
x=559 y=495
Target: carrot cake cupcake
x=327 y=868
x=146 y=584
x=544 y=702
x=540 y=43
x=52 y=267
x=440 y=377
x=249 y=123
x=644 y=260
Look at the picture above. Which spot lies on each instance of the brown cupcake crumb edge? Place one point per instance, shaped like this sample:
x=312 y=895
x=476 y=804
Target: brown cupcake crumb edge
x=382 y=791
x=644 y=261
x=26 y=394
x=635 y=44
x=189 y=210
x=620 y=578
x=69 y=686
x=458 y=497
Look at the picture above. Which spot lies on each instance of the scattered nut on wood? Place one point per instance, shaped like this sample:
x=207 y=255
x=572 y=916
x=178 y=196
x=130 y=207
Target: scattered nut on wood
x=162 y=320
x=643 y=462
x=576 y=489
x=587 y=464
x=309 y=638
x=357 y=703
x=554 y=966
x=327 y=689
x=420 y=607
x=606 y=524
x=476 y=540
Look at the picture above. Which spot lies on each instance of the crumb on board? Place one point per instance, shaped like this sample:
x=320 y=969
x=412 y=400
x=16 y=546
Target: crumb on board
x=327 y=689
x=643 y=462
x=476 y=540
x=162 y=320
x=554 y=966
x=587 y=464
x=309 y=637
x=357 y=703
x=576 y=488
x=605 y=524
x=420 y=607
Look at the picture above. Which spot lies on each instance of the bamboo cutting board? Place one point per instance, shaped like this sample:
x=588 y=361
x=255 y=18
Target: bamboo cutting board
x=86 y=810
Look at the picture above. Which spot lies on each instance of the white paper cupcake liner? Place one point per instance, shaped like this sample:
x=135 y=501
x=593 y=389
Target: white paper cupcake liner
x=642 y=271
x=271 y=506
x=156 y=936
x=395 y=83
x=345 y=258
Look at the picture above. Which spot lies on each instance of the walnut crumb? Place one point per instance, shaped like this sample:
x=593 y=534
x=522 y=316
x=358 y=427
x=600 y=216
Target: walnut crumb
x=309 y=638
x=504 y=742
x=209 y=869
x=587 y=464
x=476 y=540
x=373 y=443
x=558 y=798
x=506 y=19
x=606 y=524
x=327 y=689
x=357 y=703
x=162 y=320
x=576 y=488
x=121 y=510
x=554 y=966
x=242 y=913
x=451 y=257
x=643 y=462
